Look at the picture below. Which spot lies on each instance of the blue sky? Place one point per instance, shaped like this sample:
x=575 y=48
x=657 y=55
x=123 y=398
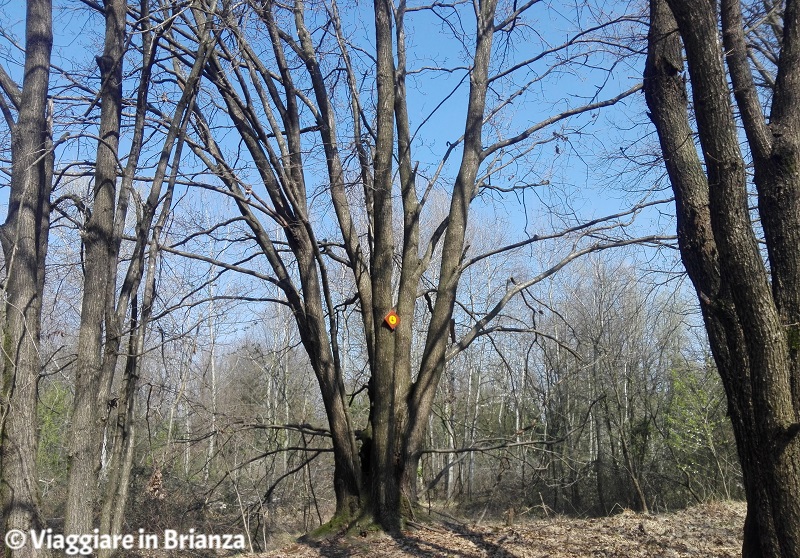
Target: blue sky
x=575 y=165
x=585 y=165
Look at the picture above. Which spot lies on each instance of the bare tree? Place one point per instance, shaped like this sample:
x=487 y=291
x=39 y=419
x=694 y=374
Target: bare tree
x=281 y=116
x=750 y=299
x=106 y=305
x=24 y=238
x=100 y=272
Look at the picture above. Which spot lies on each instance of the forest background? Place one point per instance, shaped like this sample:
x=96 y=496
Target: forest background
x=230 y=202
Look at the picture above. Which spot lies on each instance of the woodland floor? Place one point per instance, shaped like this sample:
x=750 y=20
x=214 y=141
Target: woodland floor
x=711 y=530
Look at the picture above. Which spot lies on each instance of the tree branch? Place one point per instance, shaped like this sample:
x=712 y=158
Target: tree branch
x=556 y=118
x=467 y=340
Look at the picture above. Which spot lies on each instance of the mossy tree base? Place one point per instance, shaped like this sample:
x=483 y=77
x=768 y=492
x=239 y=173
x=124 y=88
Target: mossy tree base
x=360 y=524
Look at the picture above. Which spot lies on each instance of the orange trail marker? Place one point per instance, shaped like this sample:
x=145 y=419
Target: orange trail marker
x=391 y=320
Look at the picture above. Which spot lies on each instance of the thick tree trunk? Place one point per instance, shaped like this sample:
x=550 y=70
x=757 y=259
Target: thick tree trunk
x=347 y=482
x=90 y=402
x=388 y=383
x=399 y=408
x=745 y=316
x=24 y=237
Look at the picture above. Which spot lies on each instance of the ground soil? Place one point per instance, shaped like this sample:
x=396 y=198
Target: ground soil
x=710 y=531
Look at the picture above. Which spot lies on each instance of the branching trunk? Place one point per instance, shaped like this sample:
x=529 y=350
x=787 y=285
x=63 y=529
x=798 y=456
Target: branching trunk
x=745 y=316
x=433 y=360
x=120 y=428
x=386 y=267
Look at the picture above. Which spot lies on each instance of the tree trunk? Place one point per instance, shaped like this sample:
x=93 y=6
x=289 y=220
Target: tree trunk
x=122 y=431
x=747 y=319
x=24 y=237
x=90 y=403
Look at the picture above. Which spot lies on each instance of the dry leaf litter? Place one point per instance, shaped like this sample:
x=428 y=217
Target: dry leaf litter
x=710 y=531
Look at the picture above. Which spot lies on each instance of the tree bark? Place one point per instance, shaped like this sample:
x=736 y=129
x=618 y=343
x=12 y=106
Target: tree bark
x=91 y=395
x=387 y=384
x=745 y=316
x=24 y=237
